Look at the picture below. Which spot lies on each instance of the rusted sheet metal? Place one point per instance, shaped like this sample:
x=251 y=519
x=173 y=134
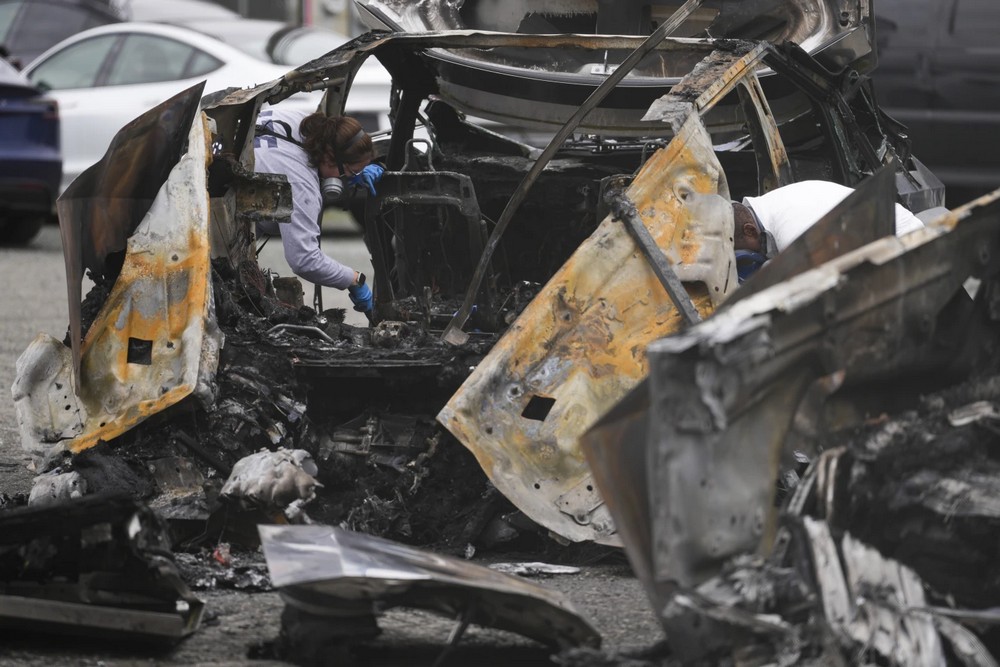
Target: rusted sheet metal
x=580 y=344
x=101 y=208
x=714 y=78
x=153 y=342
x=711 y=79
x=335 y=572
x=724 y=392
x=625 y=212
x=777 y=171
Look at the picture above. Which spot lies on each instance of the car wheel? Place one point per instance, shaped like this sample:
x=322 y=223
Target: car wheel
x=20 y=230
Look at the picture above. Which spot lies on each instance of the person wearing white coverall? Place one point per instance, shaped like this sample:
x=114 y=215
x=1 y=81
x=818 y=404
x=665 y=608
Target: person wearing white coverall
x=766 y=225
x=324 y=159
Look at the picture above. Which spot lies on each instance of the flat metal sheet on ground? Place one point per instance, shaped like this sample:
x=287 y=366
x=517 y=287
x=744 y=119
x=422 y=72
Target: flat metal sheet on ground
x=339 y=571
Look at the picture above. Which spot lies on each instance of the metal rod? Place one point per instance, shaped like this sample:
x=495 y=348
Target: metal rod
x=301 y=328
x=624 y=209
x=457 y=632
x=453 y=333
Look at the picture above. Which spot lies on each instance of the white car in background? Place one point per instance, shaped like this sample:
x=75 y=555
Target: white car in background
x=106 y=76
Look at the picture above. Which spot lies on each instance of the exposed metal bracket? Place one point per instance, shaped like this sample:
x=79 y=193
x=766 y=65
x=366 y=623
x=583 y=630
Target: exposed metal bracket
x=624 y=210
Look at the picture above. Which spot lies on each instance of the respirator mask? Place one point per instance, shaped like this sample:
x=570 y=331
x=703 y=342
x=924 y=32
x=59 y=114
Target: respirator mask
x=748 y=263
x=334 y=188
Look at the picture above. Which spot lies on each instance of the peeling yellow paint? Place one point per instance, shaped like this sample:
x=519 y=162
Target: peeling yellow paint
x=162 y=296
x=582 y=340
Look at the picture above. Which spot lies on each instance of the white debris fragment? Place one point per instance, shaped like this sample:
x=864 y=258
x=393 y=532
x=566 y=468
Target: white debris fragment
x=273 y=480
x=55 y=487
x=49 y=413
x=533 y=569
x=973 y=412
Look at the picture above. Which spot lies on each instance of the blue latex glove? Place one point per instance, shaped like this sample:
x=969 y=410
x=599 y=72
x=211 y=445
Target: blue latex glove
x=369 y=176
x=361 y=297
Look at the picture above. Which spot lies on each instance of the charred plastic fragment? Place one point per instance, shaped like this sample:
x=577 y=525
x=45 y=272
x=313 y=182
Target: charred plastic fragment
x=94 y=566
x=280 y=481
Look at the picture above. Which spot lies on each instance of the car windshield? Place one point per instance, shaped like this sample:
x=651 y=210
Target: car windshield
x=301 y=44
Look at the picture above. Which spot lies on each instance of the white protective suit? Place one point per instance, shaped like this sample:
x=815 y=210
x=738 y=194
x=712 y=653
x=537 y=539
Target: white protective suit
x=300 y=236
x=787 y=212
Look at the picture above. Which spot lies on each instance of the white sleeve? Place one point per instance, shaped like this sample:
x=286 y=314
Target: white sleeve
x=787 y=212
x=300 y=239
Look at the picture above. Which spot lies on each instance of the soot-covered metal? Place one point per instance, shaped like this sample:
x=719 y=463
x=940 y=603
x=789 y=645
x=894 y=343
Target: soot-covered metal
x=393 y=431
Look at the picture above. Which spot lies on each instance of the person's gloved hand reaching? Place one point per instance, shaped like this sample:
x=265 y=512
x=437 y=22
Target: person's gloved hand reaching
x=368 y=177
x=361 y=295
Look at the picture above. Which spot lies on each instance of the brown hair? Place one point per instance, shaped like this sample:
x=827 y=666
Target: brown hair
x=333 y=137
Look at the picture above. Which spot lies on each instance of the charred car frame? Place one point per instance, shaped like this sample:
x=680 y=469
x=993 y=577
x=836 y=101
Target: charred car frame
x=170 y=244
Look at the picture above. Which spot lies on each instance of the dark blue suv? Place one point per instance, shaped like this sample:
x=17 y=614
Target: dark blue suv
x=30 y=161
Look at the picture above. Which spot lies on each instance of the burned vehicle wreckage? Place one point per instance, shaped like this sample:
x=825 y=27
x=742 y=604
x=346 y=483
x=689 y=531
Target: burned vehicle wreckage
x=570 y=316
